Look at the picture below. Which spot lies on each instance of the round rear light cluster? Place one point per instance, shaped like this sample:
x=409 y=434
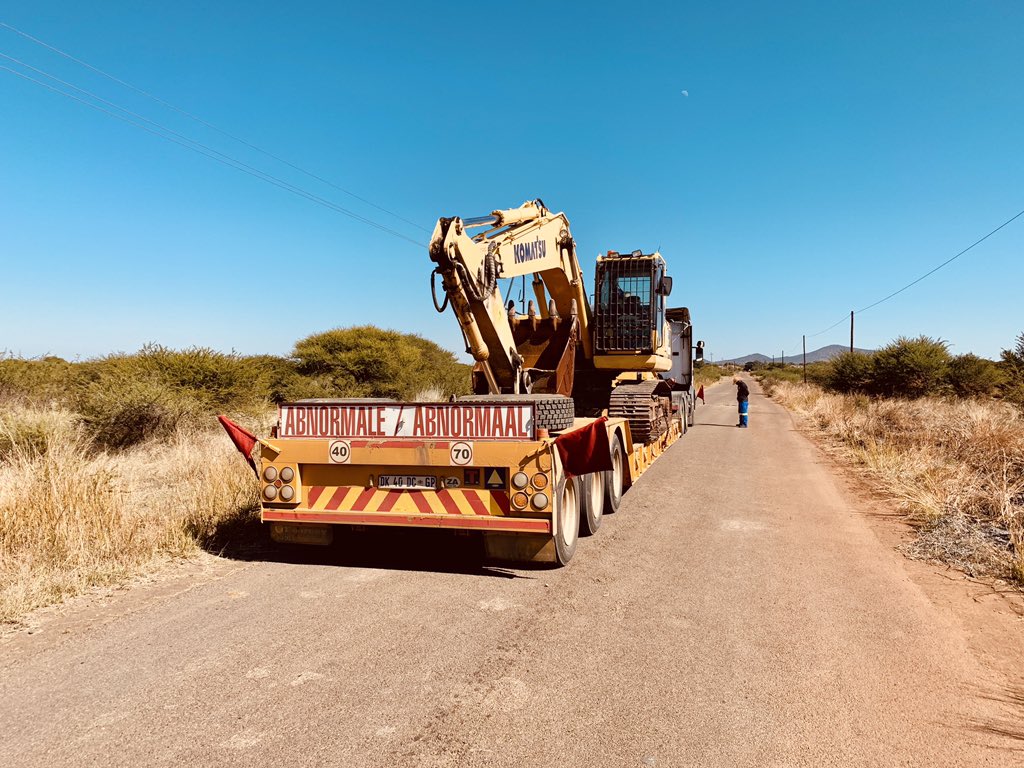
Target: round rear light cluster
x=528 y=491
x=278 y=484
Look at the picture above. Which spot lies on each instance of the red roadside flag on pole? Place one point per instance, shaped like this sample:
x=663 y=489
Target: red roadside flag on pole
x=700 y=393
x=243 y=439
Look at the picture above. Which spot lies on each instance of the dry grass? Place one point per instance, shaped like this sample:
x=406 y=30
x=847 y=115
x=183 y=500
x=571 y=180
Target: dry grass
x=954 y=467
x=73 y=517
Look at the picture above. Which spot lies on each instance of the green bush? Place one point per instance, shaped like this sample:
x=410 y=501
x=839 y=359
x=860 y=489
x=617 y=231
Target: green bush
x=125 y=399
x=849 y=373
x=972 y=376
x=909 y=367
x=1012 y=367
x=370 y=362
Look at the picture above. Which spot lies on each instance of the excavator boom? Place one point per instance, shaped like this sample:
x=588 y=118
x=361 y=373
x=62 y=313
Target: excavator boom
x=516 y=353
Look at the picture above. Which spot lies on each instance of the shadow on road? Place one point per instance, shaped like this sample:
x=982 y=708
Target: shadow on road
x=1010 y=728
x=245 y=538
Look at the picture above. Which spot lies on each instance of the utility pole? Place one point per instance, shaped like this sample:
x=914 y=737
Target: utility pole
x=805 y=357
x=783 y=357
x=851 y=331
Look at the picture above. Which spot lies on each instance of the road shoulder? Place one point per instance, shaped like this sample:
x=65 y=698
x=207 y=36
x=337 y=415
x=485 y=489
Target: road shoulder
x=989 y=612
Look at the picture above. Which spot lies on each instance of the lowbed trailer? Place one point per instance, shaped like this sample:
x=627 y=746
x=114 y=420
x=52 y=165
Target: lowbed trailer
x=466 y=466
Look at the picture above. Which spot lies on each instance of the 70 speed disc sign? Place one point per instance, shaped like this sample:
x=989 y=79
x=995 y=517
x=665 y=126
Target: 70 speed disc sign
x=461 y=454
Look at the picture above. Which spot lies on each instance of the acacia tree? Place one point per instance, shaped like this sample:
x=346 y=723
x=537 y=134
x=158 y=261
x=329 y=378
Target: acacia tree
x=1012 y=361
x=1014 y=358
x=972 y=376
x=849 y=372
x=910 y=367
x=366 y=361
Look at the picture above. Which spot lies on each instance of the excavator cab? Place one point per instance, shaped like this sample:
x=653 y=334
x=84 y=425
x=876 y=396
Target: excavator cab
x=629 y=317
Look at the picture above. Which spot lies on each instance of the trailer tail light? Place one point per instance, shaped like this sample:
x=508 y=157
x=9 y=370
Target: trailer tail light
x=520 y=500
x=540 y=501
x=540 y=481
x=281 y=484
x=520 y=480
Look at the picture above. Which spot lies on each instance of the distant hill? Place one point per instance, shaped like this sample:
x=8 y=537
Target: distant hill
x=824 y=353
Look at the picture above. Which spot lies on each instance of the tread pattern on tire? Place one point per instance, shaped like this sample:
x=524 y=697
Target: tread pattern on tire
x=552 y=412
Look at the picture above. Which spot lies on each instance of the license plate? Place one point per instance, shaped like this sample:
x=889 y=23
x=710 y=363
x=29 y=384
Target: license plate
x=407 y=482
x=287 y=533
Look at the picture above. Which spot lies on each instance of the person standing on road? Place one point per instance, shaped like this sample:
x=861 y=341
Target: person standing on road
x=742 y=399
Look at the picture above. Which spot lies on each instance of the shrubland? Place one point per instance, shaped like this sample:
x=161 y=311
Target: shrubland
x=911 y=368
x=706 y=374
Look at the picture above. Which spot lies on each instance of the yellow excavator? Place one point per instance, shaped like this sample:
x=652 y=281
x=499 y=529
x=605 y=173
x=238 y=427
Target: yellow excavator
x=622 y=357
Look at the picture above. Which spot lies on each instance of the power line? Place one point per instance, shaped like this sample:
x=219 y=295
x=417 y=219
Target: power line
x=100 y=99
x=213 y=154
x=838 y=322
x=947 y=261
x=932 y=271
x=208 y=124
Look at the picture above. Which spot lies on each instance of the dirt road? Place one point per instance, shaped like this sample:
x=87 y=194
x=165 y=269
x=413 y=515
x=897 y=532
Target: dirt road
x=737 y=611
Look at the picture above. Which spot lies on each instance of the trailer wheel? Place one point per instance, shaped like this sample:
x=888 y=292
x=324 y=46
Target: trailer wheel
x=567 y=512
x=593 y=503
x=690 y=410
x=552 y=412
x=613 y=479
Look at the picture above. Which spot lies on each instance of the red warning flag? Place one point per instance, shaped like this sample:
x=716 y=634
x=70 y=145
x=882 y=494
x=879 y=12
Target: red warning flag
x=700 y=394
x=243 y=439
x=585 y=450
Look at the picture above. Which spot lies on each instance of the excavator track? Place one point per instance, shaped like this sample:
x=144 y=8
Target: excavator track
x=646 y=406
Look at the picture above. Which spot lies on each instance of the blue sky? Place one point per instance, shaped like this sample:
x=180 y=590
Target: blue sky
x=827 y=154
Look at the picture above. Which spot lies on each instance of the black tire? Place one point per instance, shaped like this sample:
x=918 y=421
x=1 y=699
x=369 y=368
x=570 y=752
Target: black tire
x=567 y=514
x=691 y=409
x=592 y=494
x=552 y=412
x=614 y=479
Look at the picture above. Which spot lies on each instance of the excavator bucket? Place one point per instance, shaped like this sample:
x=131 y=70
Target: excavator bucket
x=548 y=349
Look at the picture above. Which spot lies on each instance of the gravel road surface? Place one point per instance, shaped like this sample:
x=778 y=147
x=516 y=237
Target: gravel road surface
x=737 y=611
